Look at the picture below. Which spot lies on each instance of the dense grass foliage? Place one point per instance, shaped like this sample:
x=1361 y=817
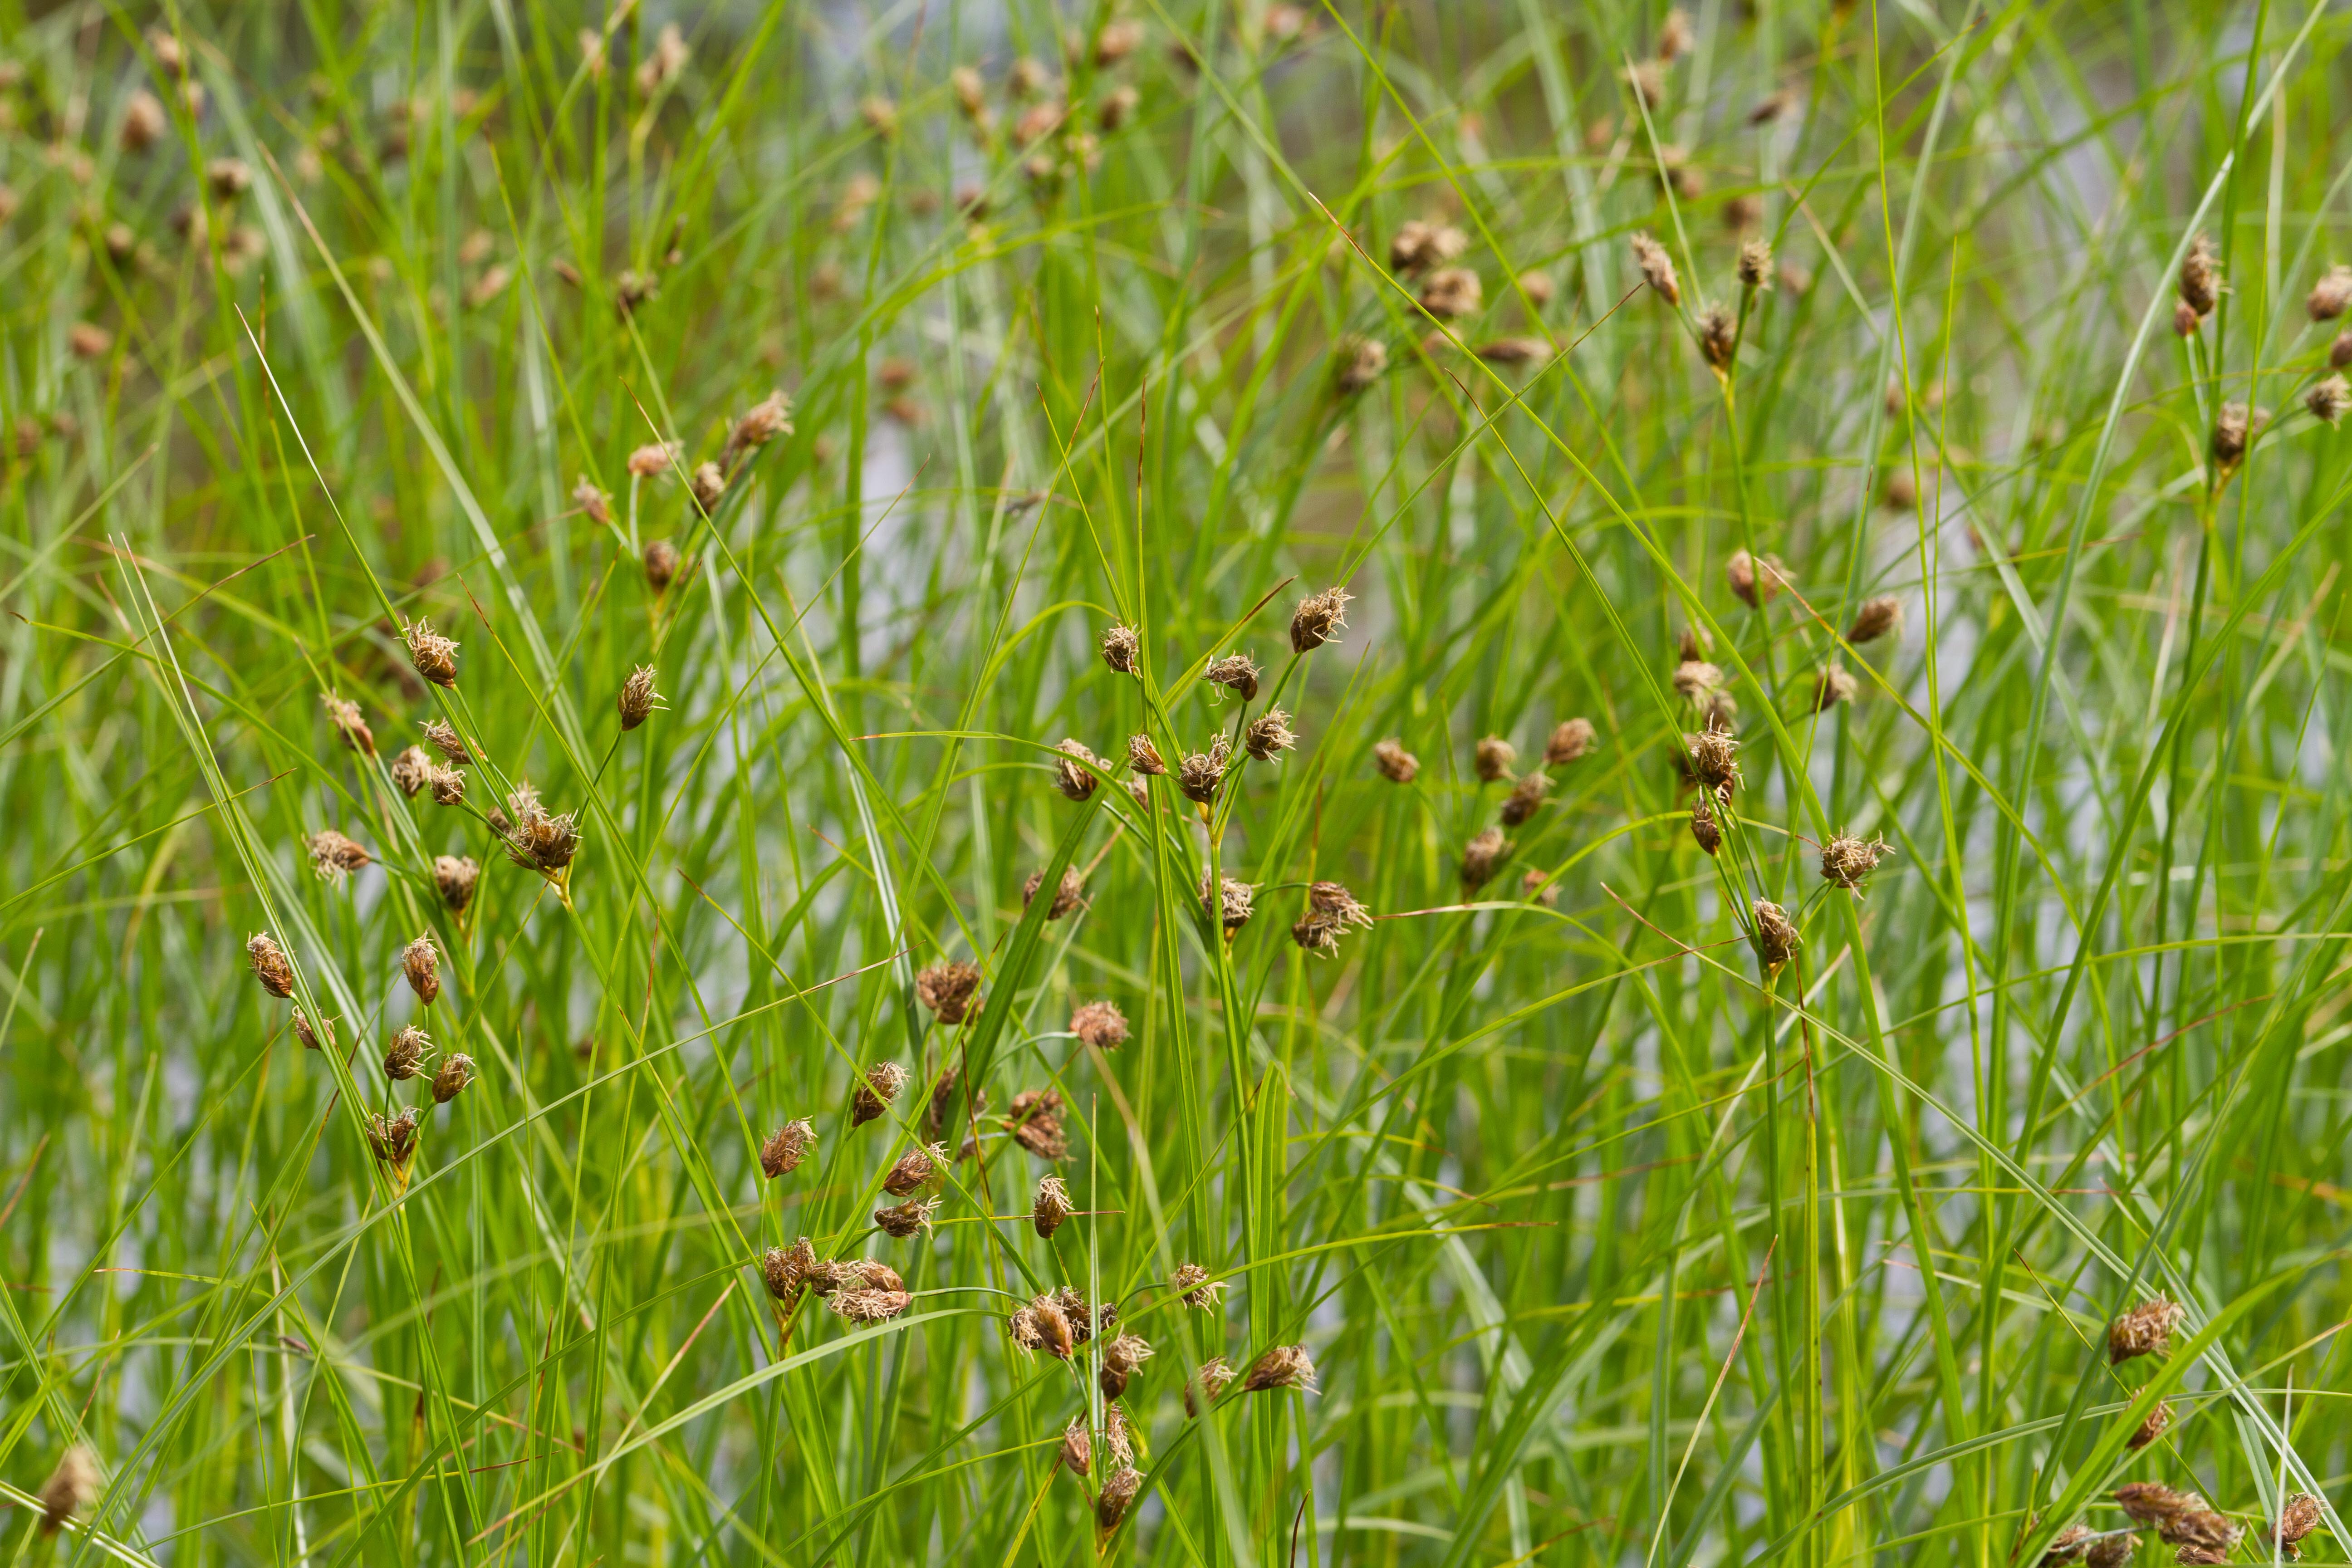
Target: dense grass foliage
x=1834 y=512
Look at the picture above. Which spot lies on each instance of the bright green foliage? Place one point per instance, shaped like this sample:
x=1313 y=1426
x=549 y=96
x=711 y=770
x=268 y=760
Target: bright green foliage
x=1634 y=1202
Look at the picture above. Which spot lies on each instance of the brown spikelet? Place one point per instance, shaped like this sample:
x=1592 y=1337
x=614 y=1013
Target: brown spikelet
x=1719 y=337
x=311 y=1037
x=1268 y=735
x=1069 y=893
x=1875 y=619
x=1525 y=797
x=445 y=740
x=1752 y=581
x=2111 y=1551
x=2145 y=1330
x=2201 y=276
x=420 y=961
x=948 y=989
x=1715 y=760
x=1360 y=363
x=1072 y=774
x=1706 y=832
x=69 y=1486
x=1847 y=861
x=1117 y=1495
x=448 y=787
x=404 y=1058
x=334 y=856
x=1101 y=1025
x=1144 y=757
x=1571 y=740
x=1199 y=775
x=637 y=697
x=1121 y=647
x=2152 y=1502
x=2158 y=1420
x=864 y=1304
x=2297 y=1518
x=1657 y=268
x=456 y=876
x=1209 y=1380
x=269 y=963
x=1480 y=858
x=1229 y=904
x=350 y=728
x=1833 y=684
x=660 y=557
x=877 y=1086
x=1035 y=1124
x=1755 y=265
x=1331 y=911
x=905 y=1219
x=1419 y=246
x=916 y=1169
x=434 y=656
x=455 y=1072
x=2328 y=399
x=786 y=1147
x=1192 y=1283
x=1396 y=764
x=1121 y=1358
x=392 y=1140
x=1776 y=936
x=1493 y=758
x=412 y=771
x=1283 y=1366
x=1317 y=619
x=1052 y=1206
x=1236 y=672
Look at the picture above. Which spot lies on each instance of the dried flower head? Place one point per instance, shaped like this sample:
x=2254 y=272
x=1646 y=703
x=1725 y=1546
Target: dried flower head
x=2145 y=1330
x=1719 y=337
x=1236 y=672
x=1695 y=679
x=1875 y=619
x=457 y=1072
x=594 y=502
x=1847 y=862
x=637 y=697
x=393 y=1139
x=1041 y=1325
x=1076 y=1453
x=350 y=728
x=310 y=1037
x=2158 y=1420
x=2152 y=1502
x=2328 y=399
x=786 y=1147
x=1069 y=893
x=2185 y=318
x=1657 y=268
x=785 y=1270
x=2297 y=1518
x=271 y=964
x=916 y=1169
x=69 y=1486
x=456 y=875
x=661 y=564
x=445 y=740
x=708 y=483
x=1211 y=1380
x=1331 y=910
x=2067 y=1544
x=420 y=961
x=1833 y=684
x=876 y=1088
x=1101 y=1025
x=1754 y=581
x=1494 y=758
x=1071 y=774
x=770 y=418
x=1035 y=1124
x=1119 y=1489
x=1480 y=858
x=866 y=1305
x=449 y=786
x=1199 y=775
x=2201 y=276
x=1360 y=362
x=1419 y=246
x=1269 y=735
x=228 y=178
x=1571 y=740
x=903 y=1220
x=1706 y=832
x=1648 y=78
x=1120 y=1359
x=1513 y=351
x=1396 y=764
x=542 y=843
x=2202 y=1535
x=1229 y=904
x=334 y=856
x=1674 y=34
x=2331 y=294
x=1283 y=1366
x=434 y=656
x=1120 y=646
x=2339 y=352
x=2234 y=427
x=1452 y=292
x=1083 y=1323
x=1052 y=1206
x=1715 y=760
x=404 y=1058
x=412 y=771
x=1776 y=936
x=1755 y=265
x=2111 y=1551
x=1317 y=619
x=947 y=988
x=1144 y=757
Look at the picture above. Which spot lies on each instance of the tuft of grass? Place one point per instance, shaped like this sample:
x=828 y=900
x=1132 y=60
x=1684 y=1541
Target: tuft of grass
x=1757 y=724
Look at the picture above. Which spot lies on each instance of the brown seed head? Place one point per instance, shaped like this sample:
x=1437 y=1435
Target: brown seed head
x=1052 y=1206
x=1069 y=893
x=1101 y=1025
x=1648 y=78
x=904 y=1220
x=1125 y=1354
x=456 y=875
x=876 y=1088
x=2208 y=1533
x=1704 y=830
x=1070 y=775
x=661 y=565
x=1361 y=361
x=143 y=121
x=1331 y=910
x=594 y=502
x=2328 y=399
x=1657 y=268
x=1452 y=292
x=637 y=697
x=538 y=842
x=868 y=1306
x=1231 y=904
x=350 y=728
x=1236 y=672
x=228 y=178
x=445 y=740
x=1083 y=1323
x=1396 y=764
x=457 y=1072
x=1525 y=797
x=948 y=989
x=1875 y=619
x=1715 y=760
x=1747 y=577
x=1117 y=1495
x=1269 y=735
x=434 y=656
x=1192 y=1283
x=420 y=961
x=708 y=483
x=2158 y=1420
x=2201 y=276
x=2331 y=294
x=1834 y=684
x=1144 y=757
x=1418 y=246
x=2111 y=1552
x=404 y=1058
x=786 y=1147
x=1513 y=351
x=1694 y=679
x=393 y=1139
x=2068 y=1544
x=1118 y=40
x=69 y=1486
x=1199 y=775
x=1209 y=1380
x=1283 y=1366
x=1847 y=862
x=334 y=856
x=1035 y=1124
x=2145 y=1330
x=770 y=418
x=785 y=1269
x=1675 y=35
x=1120 y=648
x=2233 y=427
x=1571 y=740
x=2299 y=1516
x=1494 y=758
x=271 y=964
x=1481 y=855
x=2339 y=352
x=1755 y=263
x=1776 y=936
x=1719 y=337
x=916 y=1169
x=1077 y=1455
x=412 y=771
x=1317 y=619
x=309 y=1038
x=2152 y=1502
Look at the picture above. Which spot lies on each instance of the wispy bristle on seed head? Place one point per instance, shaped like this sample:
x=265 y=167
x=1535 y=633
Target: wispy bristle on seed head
x=1101 y=1025
x=1268 y=735
x=420 y=961
x=69 y=1486
x=1144 y=757
x=1192 y=1283
x=1052 y=1206
x=786 y=1148
x=1069 y=893
x=350 y=728
x=1657 y=268
x=1494 y=757
x=1317 y=619
x=1236 y=672
x=1120 y=648
x=948 y=989
x=455 y=1072
x=637 y=697
x=271 y=964
x=1283 y=1366
x=1396 y=764
x=434 y=656
x=334 y=856
x=456 y=876
x=1875 y=619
